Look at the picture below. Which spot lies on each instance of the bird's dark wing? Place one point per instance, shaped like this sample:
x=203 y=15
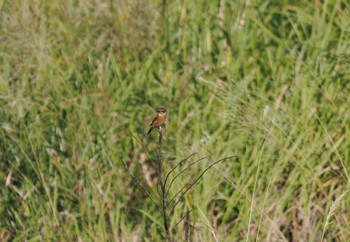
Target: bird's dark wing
x=153 y=121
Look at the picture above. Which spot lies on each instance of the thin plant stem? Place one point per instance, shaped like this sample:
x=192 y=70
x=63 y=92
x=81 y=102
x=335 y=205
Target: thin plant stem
x=177 y=165
x=190 y=184
x=183 y=217
x=180 y=173
x=139 y=184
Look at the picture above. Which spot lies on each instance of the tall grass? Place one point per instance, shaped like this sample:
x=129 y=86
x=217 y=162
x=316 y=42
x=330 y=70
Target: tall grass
x=79 y=81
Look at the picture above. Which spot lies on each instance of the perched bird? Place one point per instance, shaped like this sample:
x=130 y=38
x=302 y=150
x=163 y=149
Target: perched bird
x=158 y=120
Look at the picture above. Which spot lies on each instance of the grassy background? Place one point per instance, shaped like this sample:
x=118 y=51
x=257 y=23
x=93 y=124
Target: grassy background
x=265 y=80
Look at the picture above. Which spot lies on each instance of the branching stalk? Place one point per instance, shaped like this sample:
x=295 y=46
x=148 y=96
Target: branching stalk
x=161 y=184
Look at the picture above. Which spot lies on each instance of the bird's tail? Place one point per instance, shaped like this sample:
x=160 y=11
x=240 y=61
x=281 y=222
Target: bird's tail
x=149 y=131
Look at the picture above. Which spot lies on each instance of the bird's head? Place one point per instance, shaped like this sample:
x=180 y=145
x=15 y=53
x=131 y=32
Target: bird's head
x=161 y=111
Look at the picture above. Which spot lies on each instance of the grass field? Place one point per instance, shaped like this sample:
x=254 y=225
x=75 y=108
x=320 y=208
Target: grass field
x=267 y=81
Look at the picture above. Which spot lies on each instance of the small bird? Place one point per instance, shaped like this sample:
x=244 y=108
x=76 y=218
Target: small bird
x=159 y=120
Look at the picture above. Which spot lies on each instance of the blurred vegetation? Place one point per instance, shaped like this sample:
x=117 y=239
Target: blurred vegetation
x=265 y=80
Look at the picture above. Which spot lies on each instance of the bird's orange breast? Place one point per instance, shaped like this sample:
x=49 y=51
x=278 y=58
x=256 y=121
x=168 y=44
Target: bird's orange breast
x=159 y=120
